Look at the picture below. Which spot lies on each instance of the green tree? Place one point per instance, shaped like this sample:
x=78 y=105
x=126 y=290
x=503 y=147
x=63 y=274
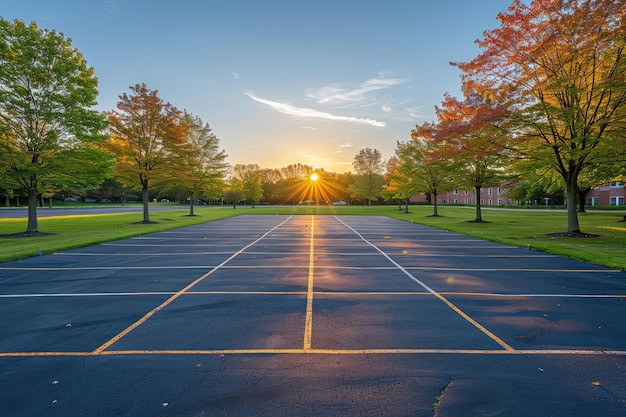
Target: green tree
x=369 y=180
x=50 y=132
x=200 y=165
x=145 y=136
x=248 y=180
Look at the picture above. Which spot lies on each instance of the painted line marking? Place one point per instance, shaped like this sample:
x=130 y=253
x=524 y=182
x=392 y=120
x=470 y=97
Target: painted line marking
x=167 y=302
x=363 y=268
x=314 y=293
x=308 y=326
x=182 y=352
x=456 y=309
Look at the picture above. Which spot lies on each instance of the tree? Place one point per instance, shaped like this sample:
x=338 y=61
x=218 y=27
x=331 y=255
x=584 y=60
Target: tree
x=49 y=134
x=369 y=181
x=561 y=66
x=146 y=136
x=248 y=178
x=468 y=136
x=428 y=171
x=199 y=164
x=401 y=175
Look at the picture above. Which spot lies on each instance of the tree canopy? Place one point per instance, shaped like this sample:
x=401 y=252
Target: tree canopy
x=49 y=131
x=146 y=134
x=560 y=67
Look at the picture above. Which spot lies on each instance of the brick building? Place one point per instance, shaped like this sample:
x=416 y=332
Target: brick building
x=613 y=194
x=607 y=195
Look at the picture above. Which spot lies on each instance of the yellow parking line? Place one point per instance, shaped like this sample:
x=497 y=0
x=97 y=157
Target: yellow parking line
x=308 y=325
x=182 y=352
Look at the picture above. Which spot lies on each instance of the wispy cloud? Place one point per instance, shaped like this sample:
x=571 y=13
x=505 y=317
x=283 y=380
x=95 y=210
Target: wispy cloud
x=235 y=75
x=312 y=113
x=337 y=95
x=345 y=145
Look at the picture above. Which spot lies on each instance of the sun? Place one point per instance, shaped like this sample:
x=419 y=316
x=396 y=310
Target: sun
x=314 y=177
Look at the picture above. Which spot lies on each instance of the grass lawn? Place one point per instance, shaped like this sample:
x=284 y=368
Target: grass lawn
x=525 y=228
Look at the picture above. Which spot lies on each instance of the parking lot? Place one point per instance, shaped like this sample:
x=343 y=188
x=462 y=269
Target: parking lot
x=310 y=316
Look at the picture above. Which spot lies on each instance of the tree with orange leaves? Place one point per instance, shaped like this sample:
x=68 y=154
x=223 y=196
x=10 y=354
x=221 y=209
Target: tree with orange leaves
x=469 y=135
x=561 y=65
x=145 y=136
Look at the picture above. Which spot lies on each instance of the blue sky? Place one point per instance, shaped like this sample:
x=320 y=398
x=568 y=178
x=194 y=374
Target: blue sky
x=279 y=81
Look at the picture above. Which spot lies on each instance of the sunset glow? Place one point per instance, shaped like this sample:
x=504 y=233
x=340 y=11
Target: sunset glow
x=314 y=190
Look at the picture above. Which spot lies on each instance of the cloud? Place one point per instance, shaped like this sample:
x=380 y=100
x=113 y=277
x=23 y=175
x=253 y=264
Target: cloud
x=386 y=108
x=336 y=95
x=345 y=145
x=235 y=75
x=312 y=113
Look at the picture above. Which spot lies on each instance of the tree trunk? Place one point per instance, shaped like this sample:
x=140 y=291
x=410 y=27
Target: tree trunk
x=33 y=225
x=191 y=204
x=572 y=214
x=435 y=206
x=406 y=205
x=146 y=212
x=581 y=205
x=479 y=215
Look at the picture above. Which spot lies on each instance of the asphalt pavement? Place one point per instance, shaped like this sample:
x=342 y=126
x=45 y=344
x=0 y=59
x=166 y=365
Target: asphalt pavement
x=310 y=316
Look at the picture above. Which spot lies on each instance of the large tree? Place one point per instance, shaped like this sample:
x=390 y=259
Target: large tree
x=561 y=65
x=49 y=130
x=146 y=135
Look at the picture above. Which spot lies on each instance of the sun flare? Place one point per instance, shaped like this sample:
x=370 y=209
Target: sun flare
x=315 y=189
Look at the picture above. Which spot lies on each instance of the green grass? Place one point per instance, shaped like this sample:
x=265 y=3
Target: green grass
x=524 y=228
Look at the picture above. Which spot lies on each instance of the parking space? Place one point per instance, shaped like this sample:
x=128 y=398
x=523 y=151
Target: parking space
x=313 y=293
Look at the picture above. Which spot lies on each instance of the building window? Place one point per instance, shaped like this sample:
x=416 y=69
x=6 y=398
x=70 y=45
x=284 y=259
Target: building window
x=593 y=201
x=617 y=184
x=490 y=201
x=617 y=201
x=499 y=190
x=490 y=191
x=456 y=192
x=499 y=201
x=456 y=201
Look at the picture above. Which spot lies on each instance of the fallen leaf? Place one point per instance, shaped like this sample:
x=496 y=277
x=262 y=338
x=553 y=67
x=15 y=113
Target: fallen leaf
x=55 y=382
x=596 y=383
x=68 y=325
x=165 y=404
